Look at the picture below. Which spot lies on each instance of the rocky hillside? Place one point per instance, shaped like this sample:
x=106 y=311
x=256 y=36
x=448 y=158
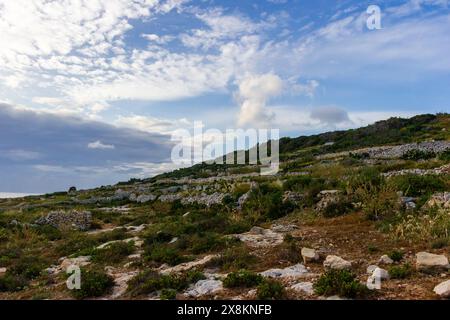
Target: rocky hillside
x=358 y=214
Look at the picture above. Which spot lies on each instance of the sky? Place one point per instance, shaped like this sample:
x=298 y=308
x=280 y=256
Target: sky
x=91 y=91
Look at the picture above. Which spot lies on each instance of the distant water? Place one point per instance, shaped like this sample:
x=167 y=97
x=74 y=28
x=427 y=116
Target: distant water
x=4 y=195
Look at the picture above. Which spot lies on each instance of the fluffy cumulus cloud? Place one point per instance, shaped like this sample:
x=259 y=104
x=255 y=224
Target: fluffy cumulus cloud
x=255 y=91
x=44 y=152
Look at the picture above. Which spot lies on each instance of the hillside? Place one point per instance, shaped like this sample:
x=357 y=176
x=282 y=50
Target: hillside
x=348 y=207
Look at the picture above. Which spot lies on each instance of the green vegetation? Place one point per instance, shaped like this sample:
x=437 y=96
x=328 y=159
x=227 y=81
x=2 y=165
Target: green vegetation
x=94 y=283
x=271 y=290
x=401 y=272
x=151 y=281
x=242 y=279
x=340 y=282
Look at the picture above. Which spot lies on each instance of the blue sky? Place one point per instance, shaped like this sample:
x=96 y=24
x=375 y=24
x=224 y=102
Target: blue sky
x=91 y=91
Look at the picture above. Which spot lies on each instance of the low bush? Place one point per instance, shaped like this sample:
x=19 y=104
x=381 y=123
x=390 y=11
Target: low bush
x=94 y=283
x=271 y=290
x=417 y=185
x=396 y=255
x=416 y=154
x=150 y=281
x=401 y=272
x=11 y=282
x=113 y=253
x=164 y=254
x=340 y=282
x=234 y=259
x=242 y=279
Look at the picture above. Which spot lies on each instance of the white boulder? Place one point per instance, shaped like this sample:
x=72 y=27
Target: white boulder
x=337 y=263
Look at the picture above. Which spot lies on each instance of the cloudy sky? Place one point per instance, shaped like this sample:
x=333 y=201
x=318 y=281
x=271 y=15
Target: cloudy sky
x=91 y=90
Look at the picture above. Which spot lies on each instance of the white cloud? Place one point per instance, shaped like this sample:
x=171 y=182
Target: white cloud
x=254 y=92
x=151 y=124
x=99 y=145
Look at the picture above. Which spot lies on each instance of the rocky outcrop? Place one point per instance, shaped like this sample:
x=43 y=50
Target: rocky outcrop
x=336 y=263
x=80 y=220
x=327 y=197
x=385 y=259
x=293 y=197
x=443 y=289
x=303 y=287
x=206 y=199
x=309 y=255
x=292 y=272
x=260 y=237
x=204 y=288
x=428 y=262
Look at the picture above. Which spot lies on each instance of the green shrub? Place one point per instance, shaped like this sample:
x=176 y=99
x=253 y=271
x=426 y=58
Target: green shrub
x=164 y=254
x=401 y=272
x=340 y=282
x=417 y=185
x=113 y=253
x=76 y=244
x=338 y=208
x=242 y=279
x=396 y=255
x=440 y=243
x=234 y=259
x=49 y=232
x=94 y=283
x=11 y=282
x=168 y=294
x=271 y=290
x=150 y=281
x=445 y=156
x=28 y=267
x=416 y=154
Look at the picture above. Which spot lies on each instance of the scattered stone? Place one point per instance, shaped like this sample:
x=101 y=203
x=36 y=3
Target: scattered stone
x=337 y=263
x=144 y=198
x=137 y=242
x=187 y=265
x=428 y=262
x=303 y=287
x=260 y=237
x=371 y=269
x=381 y=274
x=80 y=220
x=120 y=282
x=3 y=271
x=295 y=271
x=283 y=228
x=293 y=197
x=80 y=261
x=204 y=287
x=443 y=289
x=309 y=255
x=186 y=214
x=385 y=259
x=327 y=198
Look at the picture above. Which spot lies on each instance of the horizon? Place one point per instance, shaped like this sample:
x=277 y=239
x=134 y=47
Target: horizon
x=92 y=92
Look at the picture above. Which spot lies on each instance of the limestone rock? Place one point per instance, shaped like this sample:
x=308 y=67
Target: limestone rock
x=370 y=269
x=337 y=263
x=303 y=287
x=385 y=259
x=428 y=262
x=80 y=220
x=204 y=287
x=260 y=237
x=295 y=271
x=309 y=255
x=443 y=289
